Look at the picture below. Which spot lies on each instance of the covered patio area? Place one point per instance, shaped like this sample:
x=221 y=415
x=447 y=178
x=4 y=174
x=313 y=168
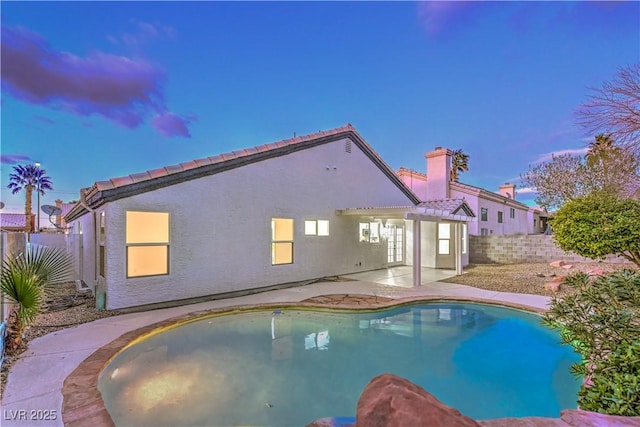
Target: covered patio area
x=402 y=276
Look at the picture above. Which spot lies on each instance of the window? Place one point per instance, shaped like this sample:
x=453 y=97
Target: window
x=499 y=217
x=282 y=241
x=101 y=240
x=512 y=213
x=316 y=227
x=369 y=232
x=444 y=234
x=483 y=214
x=484 y=231
x=147 y=239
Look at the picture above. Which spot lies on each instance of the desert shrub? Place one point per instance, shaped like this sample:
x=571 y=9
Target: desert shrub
x=601 y=320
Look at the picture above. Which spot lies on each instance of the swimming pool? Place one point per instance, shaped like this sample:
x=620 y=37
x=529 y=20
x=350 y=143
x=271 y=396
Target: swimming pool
x=290 y=367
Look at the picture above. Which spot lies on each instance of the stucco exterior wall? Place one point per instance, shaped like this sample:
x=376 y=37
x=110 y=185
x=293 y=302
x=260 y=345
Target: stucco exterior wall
x=521 y=248
x=517 y=225
x=220 y=226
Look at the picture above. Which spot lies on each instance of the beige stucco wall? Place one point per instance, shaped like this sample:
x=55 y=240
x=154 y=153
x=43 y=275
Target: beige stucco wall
x=220 y=232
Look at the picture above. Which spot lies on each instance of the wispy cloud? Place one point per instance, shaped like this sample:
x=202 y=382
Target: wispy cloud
x=437 y=16
x=172 y=125
x=573 y=151
x=13 y=159
x=119 y=88
x=526 y=190
x=143 y=33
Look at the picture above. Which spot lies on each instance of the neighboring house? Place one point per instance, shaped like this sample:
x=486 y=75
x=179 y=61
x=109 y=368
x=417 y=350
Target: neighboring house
x=498 y=213
x=15 y=222
x=64 y=208
x=304 y=208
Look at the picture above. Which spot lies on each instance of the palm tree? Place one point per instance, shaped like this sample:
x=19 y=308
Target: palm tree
x=29 y=177
x=22 y=280
x=459 y=163
x=600 y=147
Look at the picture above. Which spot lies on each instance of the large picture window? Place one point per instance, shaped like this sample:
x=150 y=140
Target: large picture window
x=147 y=239
x=281 y=241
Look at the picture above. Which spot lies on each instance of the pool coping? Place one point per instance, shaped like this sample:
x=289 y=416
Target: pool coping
x=82 y=402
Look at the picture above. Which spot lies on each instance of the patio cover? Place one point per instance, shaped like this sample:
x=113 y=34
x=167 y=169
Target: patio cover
x=450 y=210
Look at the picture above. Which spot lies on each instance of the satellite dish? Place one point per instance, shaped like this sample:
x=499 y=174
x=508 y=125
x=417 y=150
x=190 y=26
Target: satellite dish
x=51 y=210
x=1 y=205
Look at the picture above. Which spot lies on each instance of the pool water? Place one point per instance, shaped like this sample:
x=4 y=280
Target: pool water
x=290 y=367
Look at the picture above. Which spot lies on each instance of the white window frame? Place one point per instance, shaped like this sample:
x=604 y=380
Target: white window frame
x=158 y=244
x=275 y=241
x=316 y=227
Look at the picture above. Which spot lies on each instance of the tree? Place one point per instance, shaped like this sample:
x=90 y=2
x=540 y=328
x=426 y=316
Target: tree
x=459 y=163
x=611 y=168
x=29 y=177
x=614 y=109
x=606 y=167
x=598 y=225
x=557 y=181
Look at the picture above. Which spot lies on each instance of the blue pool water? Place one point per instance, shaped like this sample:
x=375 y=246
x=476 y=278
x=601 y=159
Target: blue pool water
x=291 y=367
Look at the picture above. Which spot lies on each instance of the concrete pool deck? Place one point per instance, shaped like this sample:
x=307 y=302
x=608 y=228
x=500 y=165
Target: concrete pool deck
x=35 y=384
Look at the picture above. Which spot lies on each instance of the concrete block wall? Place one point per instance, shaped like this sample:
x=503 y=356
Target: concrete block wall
x=515 y=248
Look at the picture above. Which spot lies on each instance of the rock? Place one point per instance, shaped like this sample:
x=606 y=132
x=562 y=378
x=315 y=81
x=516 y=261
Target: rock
x=558 y=263
x=567 y=266
x=391 y=401
x=552 y=286
x=578 y=418
x=596 y=272
x=540 y=275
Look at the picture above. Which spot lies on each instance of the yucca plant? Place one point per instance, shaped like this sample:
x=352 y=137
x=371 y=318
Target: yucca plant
x=22 y=282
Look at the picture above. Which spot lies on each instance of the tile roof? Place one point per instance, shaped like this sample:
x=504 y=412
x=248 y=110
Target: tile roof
x=12 y=220
x=447 y=206
x=104 y=191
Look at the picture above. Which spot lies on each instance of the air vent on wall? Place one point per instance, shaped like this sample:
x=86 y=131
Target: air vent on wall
x=347 y=146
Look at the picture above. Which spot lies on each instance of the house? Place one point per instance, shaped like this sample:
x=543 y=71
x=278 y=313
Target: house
x=60 y=223
x=304 y=208
x=498 y=213
x=15 y=222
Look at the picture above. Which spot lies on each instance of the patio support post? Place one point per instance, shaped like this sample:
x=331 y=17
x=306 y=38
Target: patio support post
x=458 y=247
x=417 y=251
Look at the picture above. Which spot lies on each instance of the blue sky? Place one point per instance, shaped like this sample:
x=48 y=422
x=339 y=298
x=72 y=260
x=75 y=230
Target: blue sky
x=97 y=90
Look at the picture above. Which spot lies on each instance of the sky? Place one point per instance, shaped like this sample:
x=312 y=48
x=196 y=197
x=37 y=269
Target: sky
x=98 y=90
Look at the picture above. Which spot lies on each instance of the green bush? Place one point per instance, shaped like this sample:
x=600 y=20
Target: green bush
x=598 y=225
x=602 y=323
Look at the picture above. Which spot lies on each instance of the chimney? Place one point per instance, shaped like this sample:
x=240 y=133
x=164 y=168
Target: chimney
x=438 y=173
x=508 y=190
x=59 y=216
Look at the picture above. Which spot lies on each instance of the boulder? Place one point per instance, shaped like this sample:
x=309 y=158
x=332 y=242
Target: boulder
x=558 y=263
x=391 y=401
x=554 y=284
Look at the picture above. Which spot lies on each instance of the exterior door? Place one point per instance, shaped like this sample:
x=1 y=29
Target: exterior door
x=395 y=244
x=445 y=246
